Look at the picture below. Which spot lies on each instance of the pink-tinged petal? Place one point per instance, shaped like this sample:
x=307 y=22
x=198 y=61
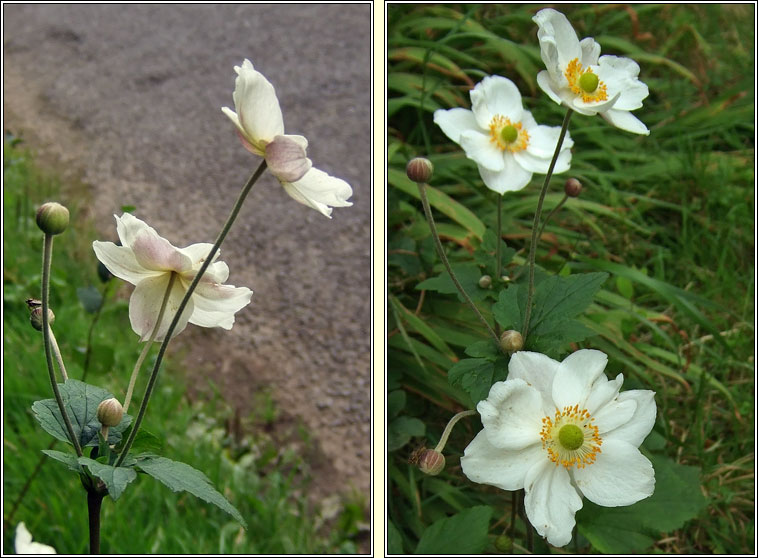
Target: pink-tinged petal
x=484 y=463
x=496 y=95
x=621 y=476
x=538 y=371
x=551 y=502
x=590 y=51
x=546 y=84
x=455 y=122
x=286 y=158
x=602 y=392
x=512 y=178
x=480 y=148
x=512 y=415
x=319 y=190
x=156 y=253
x=198 y=252
x=235 y=119
x=129 y=228
x=215 y=305
x=639 y=426
x=625 y=121
x=575 y=376
x=145 y=304
x=613 y=414
x=121 y=262
x=257 y=106
x=558 y=40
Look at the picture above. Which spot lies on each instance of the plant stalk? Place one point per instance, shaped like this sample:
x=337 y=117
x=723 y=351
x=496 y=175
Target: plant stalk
x=94 y=504
x=498 y=251
x=449 y=428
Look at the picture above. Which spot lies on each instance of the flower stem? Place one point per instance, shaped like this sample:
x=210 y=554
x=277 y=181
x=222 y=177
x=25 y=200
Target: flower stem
x=154 y=374
x=143 y=354
x=449 y=428
x=535 y=226
x=58 y=356
x=94 y=504
x=498 y=251
x=47 y=256
x=550 y=215
x=443 y=257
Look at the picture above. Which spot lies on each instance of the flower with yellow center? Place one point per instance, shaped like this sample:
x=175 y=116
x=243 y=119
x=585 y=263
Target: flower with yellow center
x=578 y=77
x=502 y=138
x=561 y=431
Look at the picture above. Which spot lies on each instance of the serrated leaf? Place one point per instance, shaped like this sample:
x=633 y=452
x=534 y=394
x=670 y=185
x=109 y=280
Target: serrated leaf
x=485 y=348
x=474 y=375
x=81 y=401
x=509 y=309
x=468 y=276
x=115 y=478
x=463 y=533
x=486 y=254
x=179 y=476
x=560 y=298
x=68 y=459
x=90 y=298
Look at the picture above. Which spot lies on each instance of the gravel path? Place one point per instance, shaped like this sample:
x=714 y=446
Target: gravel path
x=128 y=98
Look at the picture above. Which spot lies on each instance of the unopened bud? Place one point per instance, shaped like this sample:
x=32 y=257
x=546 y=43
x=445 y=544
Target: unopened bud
x=36 y=318
x=431 y=462
x=504 y=543
x=572 y=188
x=52 y=218
x=420 y=170
x=110 y=412
x=485 y=281
x=511 y=341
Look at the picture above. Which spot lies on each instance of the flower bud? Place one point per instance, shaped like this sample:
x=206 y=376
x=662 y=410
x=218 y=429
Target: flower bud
x=504 y=543
x=573 y=188
x=52 y=218
x=110 y=412
x=485 y=281
x=36 y=317
x=420 y=170
x=431 y=462
x=511 y=341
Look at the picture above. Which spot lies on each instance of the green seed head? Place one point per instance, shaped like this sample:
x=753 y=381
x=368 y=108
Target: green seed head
x=509 y=134
x=588 y=82
x=571 y=437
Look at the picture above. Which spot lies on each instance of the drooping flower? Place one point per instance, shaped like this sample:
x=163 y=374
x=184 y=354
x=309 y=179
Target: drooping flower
x=148 y=261
x=259 y=122
x=561 y=431
x=502 y=138
x=24 y=544
x=578 y=79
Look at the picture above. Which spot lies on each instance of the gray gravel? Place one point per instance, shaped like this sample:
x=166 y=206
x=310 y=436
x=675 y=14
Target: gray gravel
x=129 y=98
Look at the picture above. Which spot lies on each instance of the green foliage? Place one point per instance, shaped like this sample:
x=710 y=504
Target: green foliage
x=444 y=536
x=115 y=478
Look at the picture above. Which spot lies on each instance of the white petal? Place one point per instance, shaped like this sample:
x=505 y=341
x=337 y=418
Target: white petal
x=480 y=148
x=575 y=375
x=538 y=371
x=625 y=121
x=215 y=305
x=641 y=423
x=512 y=178
x=496 y=95
x=590 y=51
x=156 y=253
x=24 y=544
x=455 y=121
x=257 y=106
x=557 y=38
x=551 y=502
x=543 y=139
x=613 y=415
x=624 y=72
x=198 y=252
x=512 y=415
x=594 y=107
x=121 y=262
x=602 y=392
x=234 y=118
x=129 y=228
x=546 y=84
x=319 y=190
x=286 y=158
x=145 y=304
x=484 y=463
x=621 y=476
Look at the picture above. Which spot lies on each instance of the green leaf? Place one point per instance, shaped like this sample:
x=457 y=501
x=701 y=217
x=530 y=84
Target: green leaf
x=560 y=298
x=90 y=298
x=484 y=348
x=509 y=309
x=468 y=275
x=677 y=499
x=179 y=476
x=394 y=539
x=463 y=533
x=115 y=478
x=81 y=401
x=395 y=402
x=474 y=375
x=68 y=459
x=401 y=430
x=486 y=254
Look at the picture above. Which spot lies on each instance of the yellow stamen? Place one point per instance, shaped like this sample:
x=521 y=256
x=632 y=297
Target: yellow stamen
x=508 y=135
x=574 y=75
x=566 y=451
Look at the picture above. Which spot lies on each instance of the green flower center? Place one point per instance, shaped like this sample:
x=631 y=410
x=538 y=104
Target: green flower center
x=509 y=133
x=588 y=82
x=571 y=436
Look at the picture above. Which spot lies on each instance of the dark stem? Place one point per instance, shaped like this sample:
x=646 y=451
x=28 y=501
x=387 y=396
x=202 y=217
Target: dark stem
x=94 y=503
x=498 y=256
x=535 y=226
x=172 y=326
x=550 y=215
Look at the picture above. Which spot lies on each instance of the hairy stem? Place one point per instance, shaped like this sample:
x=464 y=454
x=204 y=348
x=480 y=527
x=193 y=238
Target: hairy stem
x=449 y=428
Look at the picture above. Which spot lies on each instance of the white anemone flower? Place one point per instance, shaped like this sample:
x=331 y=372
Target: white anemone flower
x=24 y=544
x=148 y=261
x=502 y=138
x=578 y=79
x=259 y=122
x=561 y=431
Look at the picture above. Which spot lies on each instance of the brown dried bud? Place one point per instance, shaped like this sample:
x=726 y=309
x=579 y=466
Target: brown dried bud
x=511 y=341
x=431 y=462
x=52 y=218
x=36 y=318
x=420 y=170
x=572 y=188
x=110 y=412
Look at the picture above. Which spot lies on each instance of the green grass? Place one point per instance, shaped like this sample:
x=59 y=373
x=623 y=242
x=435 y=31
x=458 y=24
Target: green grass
x=263 y=470
x=670 y=216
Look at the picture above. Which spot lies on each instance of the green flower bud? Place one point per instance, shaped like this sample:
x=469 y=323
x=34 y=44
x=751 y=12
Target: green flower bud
x=52 y=218
x=36 y=318
x=503 y=543
x=572 y=188
x=511 y=341
x=589 y=82
x=110 y=412
x=431 y=462
x=420 y=170
x=485 y=281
